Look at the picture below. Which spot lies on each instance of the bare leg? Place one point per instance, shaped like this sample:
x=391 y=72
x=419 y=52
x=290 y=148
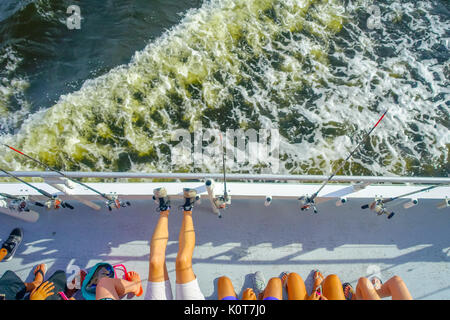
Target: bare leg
x=38 y=278
x=116 y=288
x=332 y=288
x=184 y=270
x=395 y=288
x=365 y=290
x=295 y=287
x=274 y=289
x=225 y=288
x=158 y=270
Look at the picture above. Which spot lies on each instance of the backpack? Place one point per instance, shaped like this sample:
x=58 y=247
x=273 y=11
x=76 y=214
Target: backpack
x=100 y=270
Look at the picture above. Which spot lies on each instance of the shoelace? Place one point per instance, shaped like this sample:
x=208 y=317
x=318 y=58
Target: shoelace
x=11 y=243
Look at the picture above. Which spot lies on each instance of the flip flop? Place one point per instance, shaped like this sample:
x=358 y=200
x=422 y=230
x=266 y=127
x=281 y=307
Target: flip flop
x=317 y=276
x=348 y=291
x=40 y=271
x=373 y=280
x=284 y=277
x=141 y=291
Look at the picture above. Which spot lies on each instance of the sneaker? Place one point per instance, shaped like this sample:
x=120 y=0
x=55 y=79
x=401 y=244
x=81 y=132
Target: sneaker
x=190 y=195
x=259 y=283
x=12 y=243
x=160 y=196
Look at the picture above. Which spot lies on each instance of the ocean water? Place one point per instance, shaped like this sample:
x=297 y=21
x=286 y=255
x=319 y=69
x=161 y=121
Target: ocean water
x=108 y=97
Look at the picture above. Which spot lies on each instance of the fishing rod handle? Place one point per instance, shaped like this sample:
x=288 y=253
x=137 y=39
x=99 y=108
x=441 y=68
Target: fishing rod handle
x=68 y=205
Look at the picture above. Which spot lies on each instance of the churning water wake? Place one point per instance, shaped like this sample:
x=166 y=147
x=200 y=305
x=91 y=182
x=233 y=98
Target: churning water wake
x=320 y=72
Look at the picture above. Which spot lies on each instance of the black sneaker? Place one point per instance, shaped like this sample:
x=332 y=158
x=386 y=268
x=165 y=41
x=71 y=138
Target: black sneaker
x=12 y=243
x=160 y=196
x=190 y=196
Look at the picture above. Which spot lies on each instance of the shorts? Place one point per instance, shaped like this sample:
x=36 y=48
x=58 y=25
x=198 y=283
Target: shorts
x=12 y=286
x=163 y=291
x=159 y=291
x=270 y=298
x=229 y=298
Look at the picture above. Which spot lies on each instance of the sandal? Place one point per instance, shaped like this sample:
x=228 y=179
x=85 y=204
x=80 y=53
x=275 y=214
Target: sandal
x=376 y=281
x=284 y=277
x=317 y=275
x=39 y=269
x=348 y=291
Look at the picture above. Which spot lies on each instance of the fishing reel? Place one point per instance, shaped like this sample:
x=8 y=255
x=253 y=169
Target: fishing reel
x=379 y=208
x=16 y=204
x=221 y=202
x=306 y=203
x=55 y=204
x=115 y=202
x=20 y=205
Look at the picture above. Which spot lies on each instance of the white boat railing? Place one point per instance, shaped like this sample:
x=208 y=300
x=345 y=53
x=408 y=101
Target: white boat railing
x=230 y=177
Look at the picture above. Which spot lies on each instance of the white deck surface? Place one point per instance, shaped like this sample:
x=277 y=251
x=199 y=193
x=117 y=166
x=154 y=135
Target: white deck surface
x=345 y=240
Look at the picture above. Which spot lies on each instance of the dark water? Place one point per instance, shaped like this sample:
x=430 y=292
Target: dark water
x=314 y=70
x=57 y=60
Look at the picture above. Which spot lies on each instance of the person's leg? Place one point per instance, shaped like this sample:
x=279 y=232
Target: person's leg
x=295 y=287
x=187 y=287
x=274 y=290
x=186 y=238
x=332 y=288
x=365 y=290
x=113 y=288
x=39 y=273
x=225 y=289
x=158 y=270
x=395 y=288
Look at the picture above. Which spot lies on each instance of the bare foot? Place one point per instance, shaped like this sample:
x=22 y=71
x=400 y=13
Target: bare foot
x=136 y=279
x=376 y=282
x=318 y=279
x=39 y=273
x=284 y=277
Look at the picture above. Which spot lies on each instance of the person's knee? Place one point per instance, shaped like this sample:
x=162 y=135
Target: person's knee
x=274 y=282
x=397 y=280
x=294 y=276
x=183 y=262
x=332 y=277
x=157 y=262
x=224 y=280
x=364 y=282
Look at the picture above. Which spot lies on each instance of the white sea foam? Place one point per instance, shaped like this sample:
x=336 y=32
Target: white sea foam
x=312 y=69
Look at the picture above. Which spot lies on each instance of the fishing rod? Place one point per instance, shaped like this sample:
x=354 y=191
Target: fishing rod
x=52 y=203
x=379 y=204
x=111 y=200
x=221 y=202
x=19 y=203
x=307 y=202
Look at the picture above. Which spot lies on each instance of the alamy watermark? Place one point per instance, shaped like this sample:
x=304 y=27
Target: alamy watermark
x=74 y=20
x=208 y=147
x=374 y=21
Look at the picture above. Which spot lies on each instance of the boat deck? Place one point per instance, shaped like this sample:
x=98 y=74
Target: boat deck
x=345 y=240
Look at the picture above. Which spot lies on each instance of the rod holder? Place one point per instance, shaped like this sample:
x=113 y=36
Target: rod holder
x=341 y=201
x=444 y=204
x=411 y=203
x=268 y=201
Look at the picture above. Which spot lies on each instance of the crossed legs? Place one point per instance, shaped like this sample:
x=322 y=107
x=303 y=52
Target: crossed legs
x=331 y=286
x=272 y=290
x=394 y=287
